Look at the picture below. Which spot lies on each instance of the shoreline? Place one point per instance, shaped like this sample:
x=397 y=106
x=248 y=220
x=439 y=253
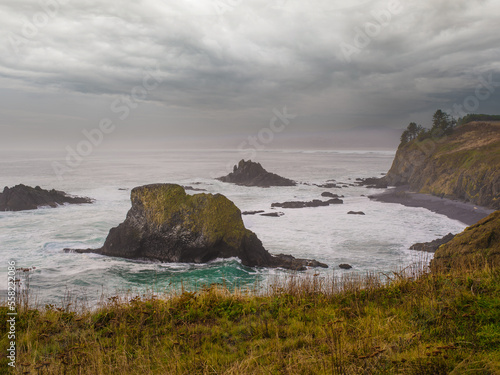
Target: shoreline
x=467 y=213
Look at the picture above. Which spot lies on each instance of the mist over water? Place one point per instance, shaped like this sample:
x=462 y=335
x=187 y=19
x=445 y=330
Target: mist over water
x=375 y=242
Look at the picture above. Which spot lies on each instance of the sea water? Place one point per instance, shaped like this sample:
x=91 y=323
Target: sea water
x=375 y=242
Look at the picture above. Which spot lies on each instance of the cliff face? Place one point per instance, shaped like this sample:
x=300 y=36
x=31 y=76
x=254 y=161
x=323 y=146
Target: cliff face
x=464 y=165
x=476 y=246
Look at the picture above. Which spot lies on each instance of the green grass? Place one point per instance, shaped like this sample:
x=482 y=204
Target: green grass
x=418 y=323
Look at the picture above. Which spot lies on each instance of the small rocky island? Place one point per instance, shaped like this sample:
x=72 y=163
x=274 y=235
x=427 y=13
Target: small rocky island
x=22 y=197
x=303 y=204
x=249 y=173
x=169 y=225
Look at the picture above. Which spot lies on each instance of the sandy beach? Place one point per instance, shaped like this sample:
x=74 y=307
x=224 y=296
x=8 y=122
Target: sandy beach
x=467 y=213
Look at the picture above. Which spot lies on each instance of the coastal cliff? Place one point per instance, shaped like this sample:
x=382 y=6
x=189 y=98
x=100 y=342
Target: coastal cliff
x=463 y=165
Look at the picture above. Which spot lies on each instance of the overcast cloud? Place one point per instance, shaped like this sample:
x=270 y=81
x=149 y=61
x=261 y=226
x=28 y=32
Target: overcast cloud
x=224 y=65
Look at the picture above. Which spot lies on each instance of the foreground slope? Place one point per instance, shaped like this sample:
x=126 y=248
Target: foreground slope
x=477 y=245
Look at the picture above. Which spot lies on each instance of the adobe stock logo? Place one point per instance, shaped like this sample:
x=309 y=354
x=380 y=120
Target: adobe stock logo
x=363 y=36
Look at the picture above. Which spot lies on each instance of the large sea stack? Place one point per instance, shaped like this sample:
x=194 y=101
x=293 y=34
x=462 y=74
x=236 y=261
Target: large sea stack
x=22 y=197
x=169 y=225
x=249 y=173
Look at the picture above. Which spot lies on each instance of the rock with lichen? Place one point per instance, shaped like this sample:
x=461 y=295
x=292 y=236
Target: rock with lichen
x=169 y=225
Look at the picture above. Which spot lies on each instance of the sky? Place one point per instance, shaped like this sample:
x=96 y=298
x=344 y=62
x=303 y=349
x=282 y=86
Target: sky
x=280 y=72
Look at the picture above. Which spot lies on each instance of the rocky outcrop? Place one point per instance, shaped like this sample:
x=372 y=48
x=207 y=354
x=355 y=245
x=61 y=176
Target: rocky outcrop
x=22 y=197
x=253 y=212
x=327 y=194
x=372 y=182
x=432 y=246
x=313 y=203
x=477 y=246
x=273 y=214
x=248 y=173
x=464 y=165
x=345 y=266
x=169 y=225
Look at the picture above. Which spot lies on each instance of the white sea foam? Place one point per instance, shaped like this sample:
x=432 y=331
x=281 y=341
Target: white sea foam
x=377 y=241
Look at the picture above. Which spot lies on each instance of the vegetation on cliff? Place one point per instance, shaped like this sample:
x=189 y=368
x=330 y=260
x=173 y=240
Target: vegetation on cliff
x=417 y=323
x=453 y=161
x=477 y=246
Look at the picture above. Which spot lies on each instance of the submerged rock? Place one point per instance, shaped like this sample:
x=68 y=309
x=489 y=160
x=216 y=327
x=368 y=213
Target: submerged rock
x=432 y=246
x=313 y=203
x=169 y=225
x=372 y=182
x=22 y=197
x=252 y=212
x=331 y=195
x=329 y=185
x=273 y=214
x=345 y=266
x=248 y=173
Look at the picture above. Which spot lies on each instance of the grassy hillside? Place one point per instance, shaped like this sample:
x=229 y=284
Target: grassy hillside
x=464 y=165
x=437 y=323
x=478 y=246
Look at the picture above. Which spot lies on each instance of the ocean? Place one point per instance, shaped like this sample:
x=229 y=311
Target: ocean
x=375 y=242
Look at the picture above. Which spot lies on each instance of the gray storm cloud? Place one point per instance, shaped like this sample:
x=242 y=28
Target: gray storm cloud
x=224 y=65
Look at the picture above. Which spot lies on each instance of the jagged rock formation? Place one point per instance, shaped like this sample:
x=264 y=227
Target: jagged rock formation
x=477 y=246
x=169 y=225
x=248 y=173
x=313 y=203
x=22 y=197
x=432 y=246
x=463 y=165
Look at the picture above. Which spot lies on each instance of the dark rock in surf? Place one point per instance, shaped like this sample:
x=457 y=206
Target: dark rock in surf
x=273 y=214
x=329 y=185
x=345 y=266
x=331 y=195
x=22 y=197
x=169 y=225
x=313 y=203
x=372 y=182
x=252 y=212
x=249 y=173
x=432 y=246
x=355 y=213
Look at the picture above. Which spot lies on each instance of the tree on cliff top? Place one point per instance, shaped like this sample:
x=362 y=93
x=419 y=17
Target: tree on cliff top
x=442 y=124
x=411 y=132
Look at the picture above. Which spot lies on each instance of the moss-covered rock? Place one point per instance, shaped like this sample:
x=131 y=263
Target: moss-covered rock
x=476 y=246
x=463 y=165
x=169 y=225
